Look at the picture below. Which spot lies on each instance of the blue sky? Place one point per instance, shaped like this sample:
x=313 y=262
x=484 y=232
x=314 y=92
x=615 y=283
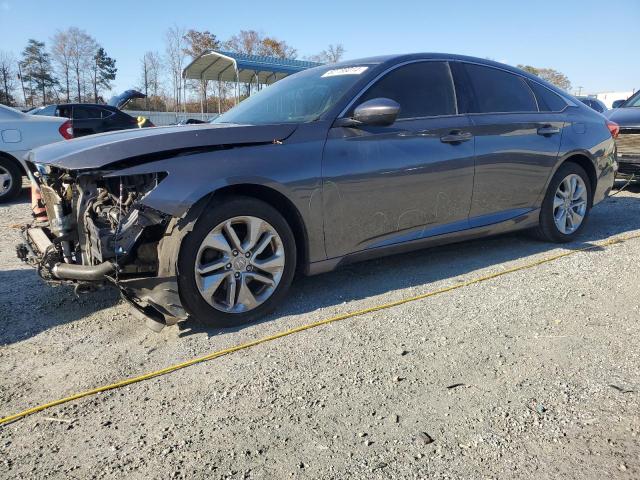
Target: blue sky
x=594 y=43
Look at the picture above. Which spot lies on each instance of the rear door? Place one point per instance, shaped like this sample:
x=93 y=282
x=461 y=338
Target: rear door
x=516 y=144
x=385 y=185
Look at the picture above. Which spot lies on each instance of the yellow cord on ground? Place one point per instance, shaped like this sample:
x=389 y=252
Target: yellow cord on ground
x=308 y=326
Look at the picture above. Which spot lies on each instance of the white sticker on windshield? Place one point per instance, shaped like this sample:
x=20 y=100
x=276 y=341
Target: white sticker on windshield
x=344 y=71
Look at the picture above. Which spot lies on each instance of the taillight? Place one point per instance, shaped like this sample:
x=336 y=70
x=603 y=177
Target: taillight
x=66 y=130
x=614 y=128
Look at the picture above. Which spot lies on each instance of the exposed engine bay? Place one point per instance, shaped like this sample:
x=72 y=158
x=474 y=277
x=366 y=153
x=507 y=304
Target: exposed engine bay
x=96 y=231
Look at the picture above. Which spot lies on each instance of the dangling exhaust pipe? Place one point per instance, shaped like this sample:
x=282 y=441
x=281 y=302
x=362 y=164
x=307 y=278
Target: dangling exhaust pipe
x=87 y=273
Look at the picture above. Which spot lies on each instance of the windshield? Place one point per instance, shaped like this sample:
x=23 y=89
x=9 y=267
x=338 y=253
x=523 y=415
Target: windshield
x=300 y=98
x=633 y=101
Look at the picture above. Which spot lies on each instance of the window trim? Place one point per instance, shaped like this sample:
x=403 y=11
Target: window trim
x=395 y=67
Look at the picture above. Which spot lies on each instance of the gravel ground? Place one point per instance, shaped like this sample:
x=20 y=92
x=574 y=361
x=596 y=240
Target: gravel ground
x=530 y=375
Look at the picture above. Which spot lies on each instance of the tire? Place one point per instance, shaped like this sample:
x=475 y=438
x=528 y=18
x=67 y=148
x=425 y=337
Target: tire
x=201 y=250
x=548 y=229
x=11 y=179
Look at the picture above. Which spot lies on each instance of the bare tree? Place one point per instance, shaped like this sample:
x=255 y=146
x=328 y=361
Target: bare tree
x=332 y=54
x=83 y=48
x=175 y=45
x=7 y=77
x=197 y=44
x=61 y=53
x=255 y=43
x=150 y=74
x=247 y=41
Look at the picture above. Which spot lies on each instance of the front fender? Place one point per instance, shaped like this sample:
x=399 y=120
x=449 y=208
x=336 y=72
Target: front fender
x=293 y=170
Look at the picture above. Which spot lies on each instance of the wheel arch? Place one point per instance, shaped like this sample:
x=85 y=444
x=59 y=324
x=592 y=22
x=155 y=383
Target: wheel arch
x=13 y=159
x=581 y=158
x=277 y=200
x=586 y=163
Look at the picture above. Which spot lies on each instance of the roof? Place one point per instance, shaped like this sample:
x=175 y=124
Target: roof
x=222 y=65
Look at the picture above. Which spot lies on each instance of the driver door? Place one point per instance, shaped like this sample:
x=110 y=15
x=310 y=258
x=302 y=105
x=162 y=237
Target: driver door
x=384 y=185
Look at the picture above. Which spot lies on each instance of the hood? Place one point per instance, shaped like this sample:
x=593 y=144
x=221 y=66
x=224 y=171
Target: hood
x=119 y=101
x=625 y=117
x=98 y=151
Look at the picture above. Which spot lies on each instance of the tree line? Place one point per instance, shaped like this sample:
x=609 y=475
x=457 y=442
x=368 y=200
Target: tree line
x=74 y=67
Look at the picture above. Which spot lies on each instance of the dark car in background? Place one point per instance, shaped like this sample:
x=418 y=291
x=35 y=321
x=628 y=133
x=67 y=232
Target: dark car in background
x=627 y=116
x=332 y=165
x=90 y=118
x=594 y=103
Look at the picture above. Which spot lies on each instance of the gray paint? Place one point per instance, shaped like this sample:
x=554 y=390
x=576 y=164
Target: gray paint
x=372 y=190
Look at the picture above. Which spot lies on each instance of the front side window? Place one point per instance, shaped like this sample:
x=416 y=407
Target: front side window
x=422 y=89
x=497 y=91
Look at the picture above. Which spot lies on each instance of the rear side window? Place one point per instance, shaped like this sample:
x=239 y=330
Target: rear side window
x=423 y=89
x=497 y=91
x=548 y=101
x=48 y=110
x=87 y=112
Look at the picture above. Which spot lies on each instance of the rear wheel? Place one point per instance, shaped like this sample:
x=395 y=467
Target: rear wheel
x=237 y=263
x=566 y=205
x=10 y=179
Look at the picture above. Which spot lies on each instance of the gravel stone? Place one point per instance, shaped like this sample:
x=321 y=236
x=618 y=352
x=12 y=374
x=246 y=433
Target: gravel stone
x=557 y=335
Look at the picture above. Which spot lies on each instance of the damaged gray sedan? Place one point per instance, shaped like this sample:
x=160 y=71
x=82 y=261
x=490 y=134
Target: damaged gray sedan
x=331 y=165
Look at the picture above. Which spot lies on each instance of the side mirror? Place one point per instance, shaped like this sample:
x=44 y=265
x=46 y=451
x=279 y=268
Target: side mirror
x=377 y=111
x=617 y=103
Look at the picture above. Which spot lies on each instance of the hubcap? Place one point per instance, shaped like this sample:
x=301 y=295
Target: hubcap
x=5 y=181
x=239 y=264
x=570 y=204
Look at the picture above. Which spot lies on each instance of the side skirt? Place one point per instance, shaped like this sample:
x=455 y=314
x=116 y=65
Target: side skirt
x=522 y=222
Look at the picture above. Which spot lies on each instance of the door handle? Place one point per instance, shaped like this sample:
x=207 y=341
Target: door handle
x=548 y=130
x=456 y=136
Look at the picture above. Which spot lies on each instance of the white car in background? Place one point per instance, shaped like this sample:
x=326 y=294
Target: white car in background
x=20 y=133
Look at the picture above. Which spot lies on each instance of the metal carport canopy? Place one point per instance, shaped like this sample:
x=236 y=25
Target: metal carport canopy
x=243 y=68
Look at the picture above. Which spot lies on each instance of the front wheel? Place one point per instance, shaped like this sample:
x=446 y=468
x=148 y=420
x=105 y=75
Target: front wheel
x=237 y=263
x=566 y=205
x=10 y=179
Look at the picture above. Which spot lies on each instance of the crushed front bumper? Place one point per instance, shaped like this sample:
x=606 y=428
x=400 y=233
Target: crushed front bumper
x=155 y=298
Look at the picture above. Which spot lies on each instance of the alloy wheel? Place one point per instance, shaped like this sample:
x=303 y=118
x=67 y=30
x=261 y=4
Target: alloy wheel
x=570 y=204
x=239 y=264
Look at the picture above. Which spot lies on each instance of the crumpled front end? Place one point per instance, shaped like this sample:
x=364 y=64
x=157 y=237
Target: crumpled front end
x=97 y=231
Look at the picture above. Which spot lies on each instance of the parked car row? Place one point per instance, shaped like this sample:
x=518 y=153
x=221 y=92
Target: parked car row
x=91 y=118
x=331 y=165
x=20 y=132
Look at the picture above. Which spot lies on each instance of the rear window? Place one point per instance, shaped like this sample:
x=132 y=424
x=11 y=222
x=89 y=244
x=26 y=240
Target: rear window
x=497 y=91
x=548 y=101
x=423 y=89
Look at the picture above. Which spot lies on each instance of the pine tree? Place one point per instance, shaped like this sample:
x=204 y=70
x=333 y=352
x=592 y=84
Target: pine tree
x=37 y=70
x=104 y=72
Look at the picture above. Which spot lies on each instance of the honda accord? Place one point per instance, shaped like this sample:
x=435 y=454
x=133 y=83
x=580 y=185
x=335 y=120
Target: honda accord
x=335 y=164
